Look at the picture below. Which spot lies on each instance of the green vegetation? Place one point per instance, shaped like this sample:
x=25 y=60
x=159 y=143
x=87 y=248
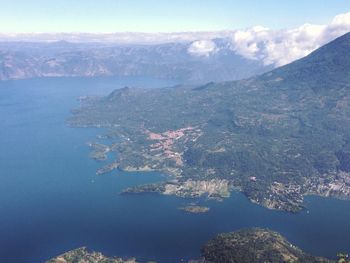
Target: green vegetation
x=276 y=137
x=99 y=151
x=195 y=209
x=254 y=245
x=82 y=255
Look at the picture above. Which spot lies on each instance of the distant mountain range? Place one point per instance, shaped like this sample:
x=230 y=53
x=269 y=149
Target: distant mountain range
x=198 y=61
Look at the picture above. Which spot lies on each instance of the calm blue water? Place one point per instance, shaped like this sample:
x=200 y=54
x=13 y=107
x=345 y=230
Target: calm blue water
x=51 y=201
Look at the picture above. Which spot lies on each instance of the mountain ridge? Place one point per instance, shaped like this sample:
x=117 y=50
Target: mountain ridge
x=323 y=62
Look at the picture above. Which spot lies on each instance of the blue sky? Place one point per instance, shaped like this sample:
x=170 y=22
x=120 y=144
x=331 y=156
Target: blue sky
x=162 y=16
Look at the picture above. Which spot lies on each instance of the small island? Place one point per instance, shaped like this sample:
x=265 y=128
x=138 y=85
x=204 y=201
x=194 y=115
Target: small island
x=195 y=209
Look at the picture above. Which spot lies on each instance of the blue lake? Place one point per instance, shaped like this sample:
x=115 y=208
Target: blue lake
x=51 y=201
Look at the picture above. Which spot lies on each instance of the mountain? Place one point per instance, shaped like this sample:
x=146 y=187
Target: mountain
x=197 y=61
x=321 y=68
x=276 y=137
x=254 y=245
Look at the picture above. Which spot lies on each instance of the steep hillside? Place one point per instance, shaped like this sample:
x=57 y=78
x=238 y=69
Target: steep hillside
x=276 y=137
x=254 y=245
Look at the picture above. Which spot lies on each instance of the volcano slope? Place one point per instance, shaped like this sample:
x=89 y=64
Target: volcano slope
x=276 y=137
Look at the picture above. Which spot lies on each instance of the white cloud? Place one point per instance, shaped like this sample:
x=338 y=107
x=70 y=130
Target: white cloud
x=341 y=19
x=245 y=41
x=279 y=47
x=202 y=48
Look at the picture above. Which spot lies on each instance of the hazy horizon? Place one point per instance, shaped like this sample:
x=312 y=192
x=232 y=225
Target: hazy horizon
x=272 y=46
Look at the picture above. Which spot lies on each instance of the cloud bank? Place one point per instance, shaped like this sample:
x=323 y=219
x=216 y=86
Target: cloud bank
x=279 y=47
